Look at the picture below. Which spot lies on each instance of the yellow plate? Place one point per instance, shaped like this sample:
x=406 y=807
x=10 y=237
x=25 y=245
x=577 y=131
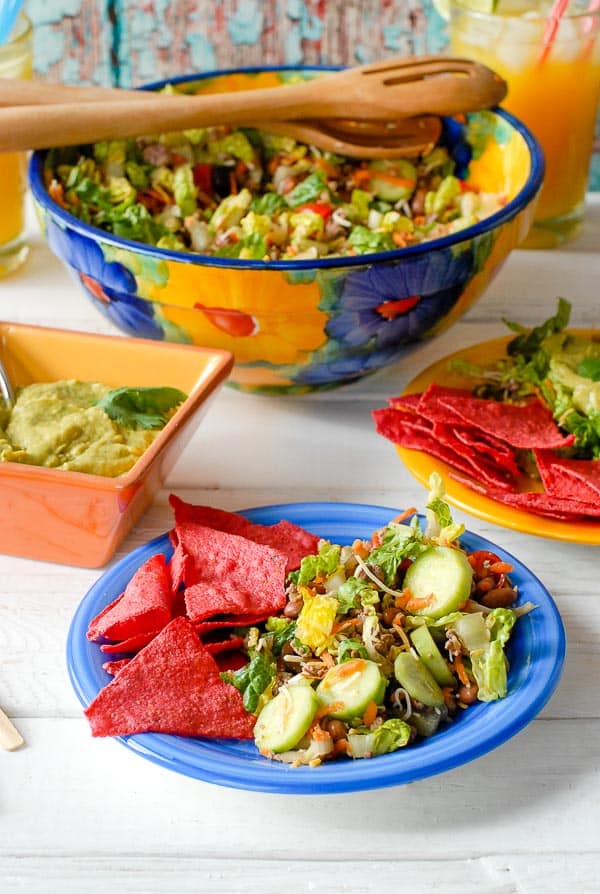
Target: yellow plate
x=422 y=465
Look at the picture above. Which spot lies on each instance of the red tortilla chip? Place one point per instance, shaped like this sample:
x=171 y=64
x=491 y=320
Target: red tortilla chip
x=177 y=565
x=113 y=667
x=431 y=407
x=398 y=427
x=408 y=402
x=490 y=472
x=131 y=645
x=577 y=479
x=538 y=502
x=171 y=686
x=290 y=539
x=144 y=606
x=526 y=426
x=204 y=627
x=230 y=575
x=395 y=424
x=224 y=645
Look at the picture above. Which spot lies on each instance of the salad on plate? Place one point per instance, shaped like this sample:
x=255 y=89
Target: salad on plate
x=317 y=651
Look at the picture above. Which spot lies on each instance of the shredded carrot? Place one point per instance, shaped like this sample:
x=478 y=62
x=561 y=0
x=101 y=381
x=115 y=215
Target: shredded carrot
x=370 y=713
x=392 y=178
x=400 y=518
x=360 y=548
x=324 y=710
x=459 y=667
x=376 y=539
x=348 y=668
x=361 y=175
x=233 y=186
x=326 y=658
x=326 y=166
x=57 y=193
x=364 y=174
x=347 y=624
x=399 y=239
x=448 y=694
x=416 y=603
x=341 y=745
x=500 y=568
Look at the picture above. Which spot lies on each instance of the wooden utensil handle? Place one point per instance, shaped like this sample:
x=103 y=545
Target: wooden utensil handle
x=10 y=737
x=72 y=123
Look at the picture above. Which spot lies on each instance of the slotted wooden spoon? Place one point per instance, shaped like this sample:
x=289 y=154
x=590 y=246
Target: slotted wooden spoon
x=387 y=91
x=405 y=137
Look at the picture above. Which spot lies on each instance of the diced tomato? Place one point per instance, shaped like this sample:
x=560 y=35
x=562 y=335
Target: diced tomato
x=203 y=177
x=321 y=208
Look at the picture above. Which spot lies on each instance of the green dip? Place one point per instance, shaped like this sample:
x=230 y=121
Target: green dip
x=574 y=367
x=57 y=425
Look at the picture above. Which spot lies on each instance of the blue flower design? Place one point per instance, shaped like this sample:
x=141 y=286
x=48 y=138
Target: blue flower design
x=110 y=285
x=382 y=308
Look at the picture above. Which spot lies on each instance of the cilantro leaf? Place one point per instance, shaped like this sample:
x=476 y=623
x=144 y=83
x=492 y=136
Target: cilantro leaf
x=251 y=680
x=141 y=407
x=529 y=341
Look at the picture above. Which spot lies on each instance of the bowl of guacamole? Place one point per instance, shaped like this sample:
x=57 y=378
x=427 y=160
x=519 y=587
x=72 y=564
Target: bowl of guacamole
x=84 y=426
x=96 y=424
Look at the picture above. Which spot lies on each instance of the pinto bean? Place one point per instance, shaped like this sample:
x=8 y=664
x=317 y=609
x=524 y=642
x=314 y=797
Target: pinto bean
x=467 y=694
x=335 y=728
x=418 y=201
x=499 y=597
x=294 y=607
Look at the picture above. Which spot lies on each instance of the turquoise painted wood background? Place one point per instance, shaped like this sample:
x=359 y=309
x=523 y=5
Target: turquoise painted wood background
x=129 y=42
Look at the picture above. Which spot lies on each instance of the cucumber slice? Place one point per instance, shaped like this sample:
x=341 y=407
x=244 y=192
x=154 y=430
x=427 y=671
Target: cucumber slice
x=441 y=575
x=350 y=687
x=286 y=718
x=431 y=656
x=397 y=179
x=413 y=676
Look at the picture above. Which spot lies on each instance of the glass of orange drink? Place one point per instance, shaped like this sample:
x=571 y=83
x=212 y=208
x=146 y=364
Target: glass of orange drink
x=552 y=68
x=16 y=61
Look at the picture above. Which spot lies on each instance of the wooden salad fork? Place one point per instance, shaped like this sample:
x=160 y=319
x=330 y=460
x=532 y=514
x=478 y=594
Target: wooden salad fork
x=394 y=104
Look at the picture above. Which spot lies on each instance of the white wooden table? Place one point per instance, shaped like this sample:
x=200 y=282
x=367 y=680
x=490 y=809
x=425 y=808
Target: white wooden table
x=79 y=814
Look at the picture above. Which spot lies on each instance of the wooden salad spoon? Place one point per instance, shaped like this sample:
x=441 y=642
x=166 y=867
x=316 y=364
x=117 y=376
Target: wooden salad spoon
x=402 y=137
x=380 y=94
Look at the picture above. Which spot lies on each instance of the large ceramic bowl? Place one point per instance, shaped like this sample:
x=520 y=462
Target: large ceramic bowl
x=296 y=326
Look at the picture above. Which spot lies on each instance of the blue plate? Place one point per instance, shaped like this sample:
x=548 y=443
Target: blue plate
x=536 y=654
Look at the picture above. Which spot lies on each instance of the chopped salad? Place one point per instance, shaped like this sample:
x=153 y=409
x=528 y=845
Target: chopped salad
x=562 y=368
x=380 y=643
x=248 y=194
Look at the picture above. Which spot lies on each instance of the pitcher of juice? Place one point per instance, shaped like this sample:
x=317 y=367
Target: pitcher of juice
x=15 y=62
x=553 y=76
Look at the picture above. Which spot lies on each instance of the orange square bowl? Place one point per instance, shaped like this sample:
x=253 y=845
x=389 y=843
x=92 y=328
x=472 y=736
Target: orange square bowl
x=76 y=518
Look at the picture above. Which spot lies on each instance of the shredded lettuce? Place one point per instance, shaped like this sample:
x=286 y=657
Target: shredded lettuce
x=252 y=680
x=390 y=736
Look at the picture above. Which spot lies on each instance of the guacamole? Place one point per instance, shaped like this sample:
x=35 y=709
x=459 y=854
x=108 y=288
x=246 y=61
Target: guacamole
x=574 y=367
x=68 y=425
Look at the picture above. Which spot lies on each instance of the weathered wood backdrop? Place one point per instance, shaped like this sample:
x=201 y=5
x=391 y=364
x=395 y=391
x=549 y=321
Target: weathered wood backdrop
x=129 y=42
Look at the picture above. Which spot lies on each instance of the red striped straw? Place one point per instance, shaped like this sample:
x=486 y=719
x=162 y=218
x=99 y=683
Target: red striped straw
x=590 y=27
x=558 y=10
